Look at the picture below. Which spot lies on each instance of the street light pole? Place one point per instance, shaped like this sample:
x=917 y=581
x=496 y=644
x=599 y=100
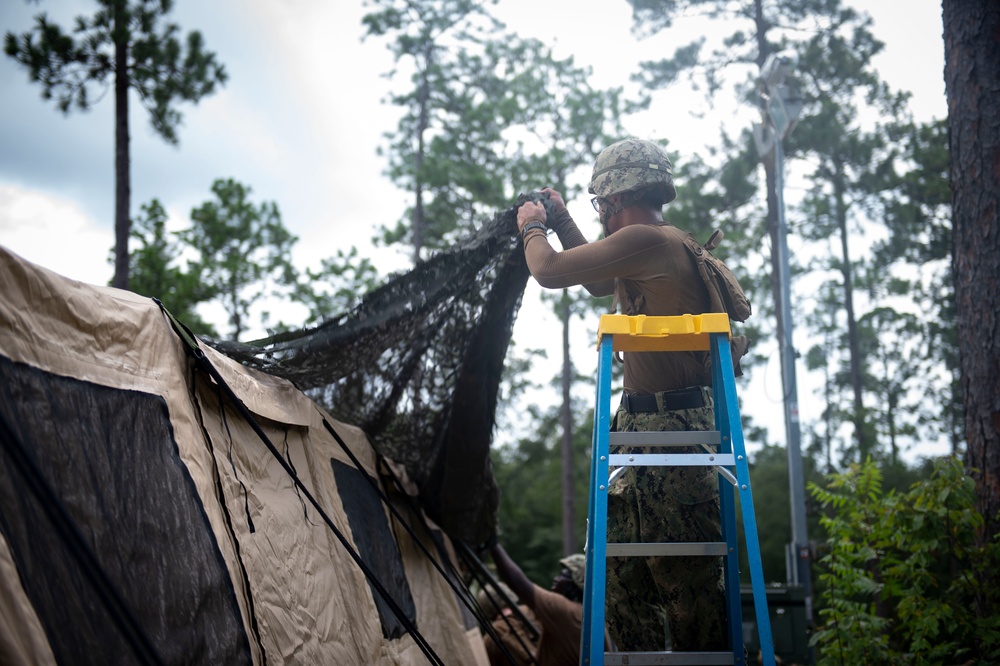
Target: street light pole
x=799 y=573
x=783 y=108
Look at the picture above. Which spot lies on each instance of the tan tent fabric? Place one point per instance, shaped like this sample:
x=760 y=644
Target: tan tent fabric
x=301 y=598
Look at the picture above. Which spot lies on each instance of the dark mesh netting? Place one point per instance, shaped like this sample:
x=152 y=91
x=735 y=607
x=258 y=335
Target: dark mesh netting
x=417 y=365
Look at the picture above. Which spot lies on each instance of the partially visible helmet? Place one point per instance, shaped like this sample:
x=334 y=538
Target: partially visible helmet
x=577 y=565
x=630 y=165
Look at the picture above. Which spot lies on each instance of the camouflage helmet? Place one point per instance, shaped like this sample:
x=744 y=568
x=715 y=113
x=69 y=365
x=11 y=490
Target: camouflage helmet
x=577 y=565
x=629 y=165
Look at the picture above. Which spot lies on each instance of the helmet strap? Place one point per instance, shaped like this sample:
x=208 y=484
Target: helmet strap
x=610 y=208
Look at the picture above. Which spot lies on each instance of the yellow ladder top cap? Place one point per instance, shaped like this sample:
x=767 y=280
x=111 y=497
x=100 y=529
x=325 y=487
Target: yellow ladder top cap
x=678 y=333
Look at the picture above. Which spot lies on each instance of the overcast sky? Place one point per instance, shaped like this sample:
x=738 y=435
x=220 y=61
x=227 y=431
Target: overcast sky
x=301 y=117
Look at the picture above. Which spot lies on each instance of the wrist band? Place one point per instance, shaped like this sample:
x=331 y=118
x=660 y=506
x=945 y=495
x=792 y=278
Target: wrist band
x=534 y=224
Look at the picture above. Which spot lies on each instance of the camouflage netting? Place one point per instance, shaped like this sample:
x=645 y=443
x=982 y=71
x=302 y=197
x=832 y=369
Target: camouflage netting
x=417 y=365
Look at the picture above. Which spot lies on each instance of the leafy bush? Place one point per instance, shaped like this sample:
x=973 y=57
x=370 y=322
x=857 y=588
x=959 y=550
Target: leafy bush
x=904 y=578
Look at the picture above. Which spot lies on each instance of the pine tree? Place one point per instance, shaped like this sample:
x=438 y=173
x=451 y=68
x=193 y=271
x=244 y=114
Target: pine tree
x=972 y=84
x=154 y=269
x=837 y=82
x=124 y=42
x=431 y=39
x=914 y=265
x=487 y=119
x=243 y=250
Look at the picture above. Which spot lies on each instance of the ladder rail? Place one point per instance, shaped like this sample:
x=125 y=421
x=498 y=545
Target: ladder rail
x=592 y=634
x=724 y=399
x=728 y=420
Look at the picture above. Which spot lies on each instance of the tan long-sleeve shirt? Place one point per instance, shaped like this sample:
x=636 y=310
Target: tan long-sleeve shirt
x=655 y=276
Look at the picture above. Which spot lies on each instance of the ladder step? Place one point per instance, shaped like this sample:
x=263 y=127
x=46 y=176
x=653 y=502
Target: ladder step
x=668 y=438
x=668 y=658
x=666 y=549
x=671 y=459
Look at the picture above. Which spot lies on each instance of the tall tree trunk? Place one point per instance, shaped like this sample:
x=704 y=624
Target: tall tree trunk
x=828 y=410
x=892 y=396
x=862 y=439
x=418 y=157
x=566 y=417
x=770 y=178
x=123 y=192
x=972 y=85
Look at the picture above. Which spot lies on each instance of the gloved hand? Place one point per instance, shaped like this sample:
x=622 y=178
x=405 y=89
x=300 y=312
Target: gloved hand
x=531 y=207
x=552 y=216
x=558 y=215
x=530 y=211
x=558 y=205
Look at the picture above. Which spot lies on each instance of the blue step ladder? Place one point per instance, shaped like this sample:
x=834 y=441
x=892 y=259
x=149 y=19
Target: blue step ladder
x=724 y=449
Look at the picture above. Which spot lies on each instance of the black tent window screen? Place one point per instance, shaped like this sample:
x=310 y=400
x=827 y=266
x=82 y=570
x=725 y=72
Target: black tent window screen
x=376 y=545
x=110 y=459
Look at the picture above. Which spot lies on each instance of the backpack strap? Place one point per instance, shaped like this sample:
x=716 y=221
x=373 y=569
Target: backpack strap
x=714 y=240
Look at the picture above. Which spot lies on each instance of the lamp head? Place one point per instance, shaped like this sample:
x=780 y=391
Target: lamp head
x=778 y=66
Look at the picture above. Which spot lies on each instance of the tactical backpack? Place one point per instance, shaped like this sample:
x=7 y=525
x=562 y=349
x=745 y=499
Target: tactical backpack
x=724 y=289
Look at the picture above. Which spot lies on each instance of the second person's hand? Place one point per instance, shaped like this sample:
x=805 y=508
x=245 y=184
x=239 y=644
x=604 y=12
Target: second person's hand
x=558 y=205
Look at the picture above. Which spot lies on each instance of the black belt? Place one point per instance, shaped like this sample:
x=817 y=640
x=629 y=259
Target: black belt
x=685 y=398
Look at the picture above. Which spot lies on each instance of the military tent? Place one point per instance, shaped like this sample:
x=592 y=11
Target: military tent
x=163 y=503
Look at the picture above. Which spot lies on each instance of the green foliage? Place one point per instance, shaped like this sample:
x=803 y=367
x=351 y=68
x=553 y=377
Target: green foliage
x=907 y=337
x=887 y=340
x=155 y=270
x=917 y=199
x=486 y=117
x=565 y=122
x=915 y=204
x=905 y=582
x=243 y=250
x=337 y=286
x=229 y=254
x=188 y=268
x=444 y=139
x=839 y=84
x=769 y=473
x=157 y=66
x=125 y=43
x=711 y=197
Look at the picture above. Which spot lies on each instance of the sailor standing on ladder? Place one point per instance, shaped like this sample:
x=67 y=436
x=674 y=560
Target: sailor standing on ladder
x=653 y=604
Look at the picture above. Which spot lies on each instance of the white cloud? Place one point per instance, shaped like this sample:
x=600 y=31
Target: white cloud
x=55 y=233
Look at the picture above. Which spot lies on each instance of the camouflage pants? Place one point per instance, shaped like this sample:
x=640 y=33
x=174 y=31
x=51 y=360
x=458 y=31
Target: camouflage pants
x=672 y=603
